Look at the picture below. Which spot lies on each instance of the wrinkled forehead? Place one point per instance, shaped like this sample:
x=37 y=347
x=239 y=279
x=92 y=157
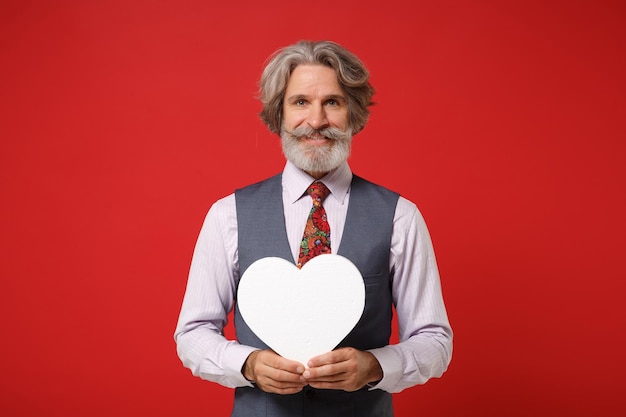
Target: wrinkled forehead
x=319 y=78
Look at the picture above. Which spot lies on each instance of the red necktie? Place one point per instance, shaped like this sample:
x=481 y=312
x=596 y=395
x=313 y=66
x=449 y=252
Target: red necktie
x=316 y=238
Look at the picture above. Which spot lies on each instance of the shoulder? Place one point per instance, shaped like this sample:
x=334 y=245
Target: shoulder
x=407 y=210
x=409 y=221
x=223 y=209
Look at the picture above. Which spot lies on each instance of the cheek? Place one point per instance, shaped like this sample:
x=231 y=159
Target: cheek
x=339 y=120
x=290 y=120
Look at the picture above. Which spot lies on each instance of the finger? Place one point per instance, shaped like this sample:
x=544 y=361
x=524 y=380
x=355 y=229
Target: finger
x=343 y=381
x=329 y=373
x=331 y=366
x=278 y=386
x=324 y=359
x=342 y=369
x=275 y=361
x=290 y=366
x=277 y=381
x=335 y=356
x=278 y=375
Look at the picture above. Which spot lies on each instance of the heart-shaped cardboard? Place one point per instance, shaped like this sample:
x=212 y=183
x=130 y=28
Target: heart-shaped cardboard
x=301 y=313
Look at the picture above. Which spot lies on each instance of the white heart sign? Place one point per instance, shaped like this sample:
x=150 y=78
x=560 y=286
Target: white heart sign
x=302 y=313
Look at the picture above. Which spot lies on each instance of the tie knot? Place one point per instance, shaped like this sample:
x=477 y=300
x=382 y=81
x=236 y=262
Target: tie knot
x=318 y=192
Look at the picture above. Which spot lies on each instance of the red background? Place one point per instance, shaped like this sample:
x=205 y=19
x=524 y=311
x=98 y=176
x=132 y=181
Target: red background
x=122 y=121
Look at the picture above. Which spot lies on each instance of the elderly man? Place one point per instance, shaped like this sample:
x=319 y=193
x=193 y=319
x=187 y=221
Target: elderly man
x=316 y=96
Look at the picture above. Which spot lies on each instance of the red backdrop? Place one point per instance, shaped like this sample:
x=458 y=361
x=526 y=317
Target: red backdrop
x=122 y=121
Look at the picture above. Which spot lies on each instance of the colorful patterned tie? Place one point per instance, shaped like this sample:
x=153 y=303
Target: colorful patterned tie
x=316 y=238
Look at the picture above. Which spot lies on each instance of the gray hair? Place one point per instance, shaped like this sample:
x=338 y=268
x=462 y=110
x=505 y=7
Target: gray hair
x=352 y=76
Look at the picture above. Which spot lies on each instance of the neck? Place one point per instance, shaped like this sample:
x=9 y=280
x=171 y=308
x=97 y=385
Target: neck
x=316 y=175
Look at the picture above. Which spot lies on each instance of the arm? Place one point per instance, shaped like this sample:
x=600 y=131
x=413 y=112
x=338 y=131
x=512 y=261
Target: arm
x=425 y=347
x=209 y=298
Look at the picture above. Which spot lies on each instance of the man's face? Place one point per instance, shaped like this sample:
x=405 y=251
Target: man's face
x=315 y=132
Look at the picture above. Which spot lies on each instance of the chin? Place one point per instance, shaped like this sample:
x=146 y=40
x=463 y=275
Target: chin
x=317 y=159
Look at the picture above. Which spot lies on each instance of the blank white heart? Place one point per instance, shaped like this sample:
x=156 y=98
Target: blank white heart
x=301 y=313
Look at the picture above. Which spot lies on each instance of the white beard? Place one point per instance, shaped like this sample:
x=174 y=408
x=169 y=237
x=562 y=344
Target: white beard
x=316 y=158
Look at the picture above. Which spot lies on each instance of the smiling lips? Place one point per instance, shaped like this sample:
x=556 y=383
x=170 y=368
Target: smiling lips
x=316 y=138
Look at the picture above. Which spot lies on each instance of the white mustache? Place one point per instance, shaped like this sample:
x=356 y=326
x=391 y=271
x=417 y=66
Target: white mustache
x=327 y=132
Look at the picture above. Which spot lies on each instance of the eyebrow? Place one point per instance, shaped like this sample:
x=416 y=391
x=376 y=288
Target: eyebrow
x=297 y=97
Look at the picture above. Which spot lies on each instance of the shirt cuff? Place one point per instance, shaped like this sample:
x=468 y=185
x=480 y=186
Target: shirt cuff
x=234 y=358
x=391 y=365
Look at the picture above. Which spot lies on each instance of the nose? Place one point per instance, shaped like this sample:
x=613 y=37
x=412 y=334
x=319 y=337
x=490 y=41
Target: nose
x=317 y=116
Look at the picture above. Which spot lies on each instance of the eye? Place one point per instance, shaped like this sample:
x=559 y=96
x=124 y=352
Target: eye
x=335 y=102
x=300 y=102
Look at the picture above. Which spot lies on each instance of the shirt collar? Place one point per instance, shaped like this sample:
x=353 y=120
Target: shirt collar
x=295 y=182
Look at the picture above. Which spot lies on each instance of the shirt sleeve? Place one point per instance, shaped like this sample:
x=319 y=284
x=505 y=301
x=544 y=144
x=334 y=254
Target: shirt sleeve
x=424 y=350
x=209 y=297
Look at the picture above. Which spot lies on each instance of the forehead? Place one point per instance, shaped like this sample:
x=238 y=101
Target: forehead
x=313 y=80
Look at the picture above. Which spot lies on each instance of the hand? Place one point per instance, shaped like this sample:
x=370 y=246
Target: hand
x=347 y=369
x=273 y=373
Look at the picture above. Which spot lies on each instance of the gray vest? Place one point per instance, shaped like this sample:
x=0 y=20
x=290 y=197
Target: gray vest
x=366 y=242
